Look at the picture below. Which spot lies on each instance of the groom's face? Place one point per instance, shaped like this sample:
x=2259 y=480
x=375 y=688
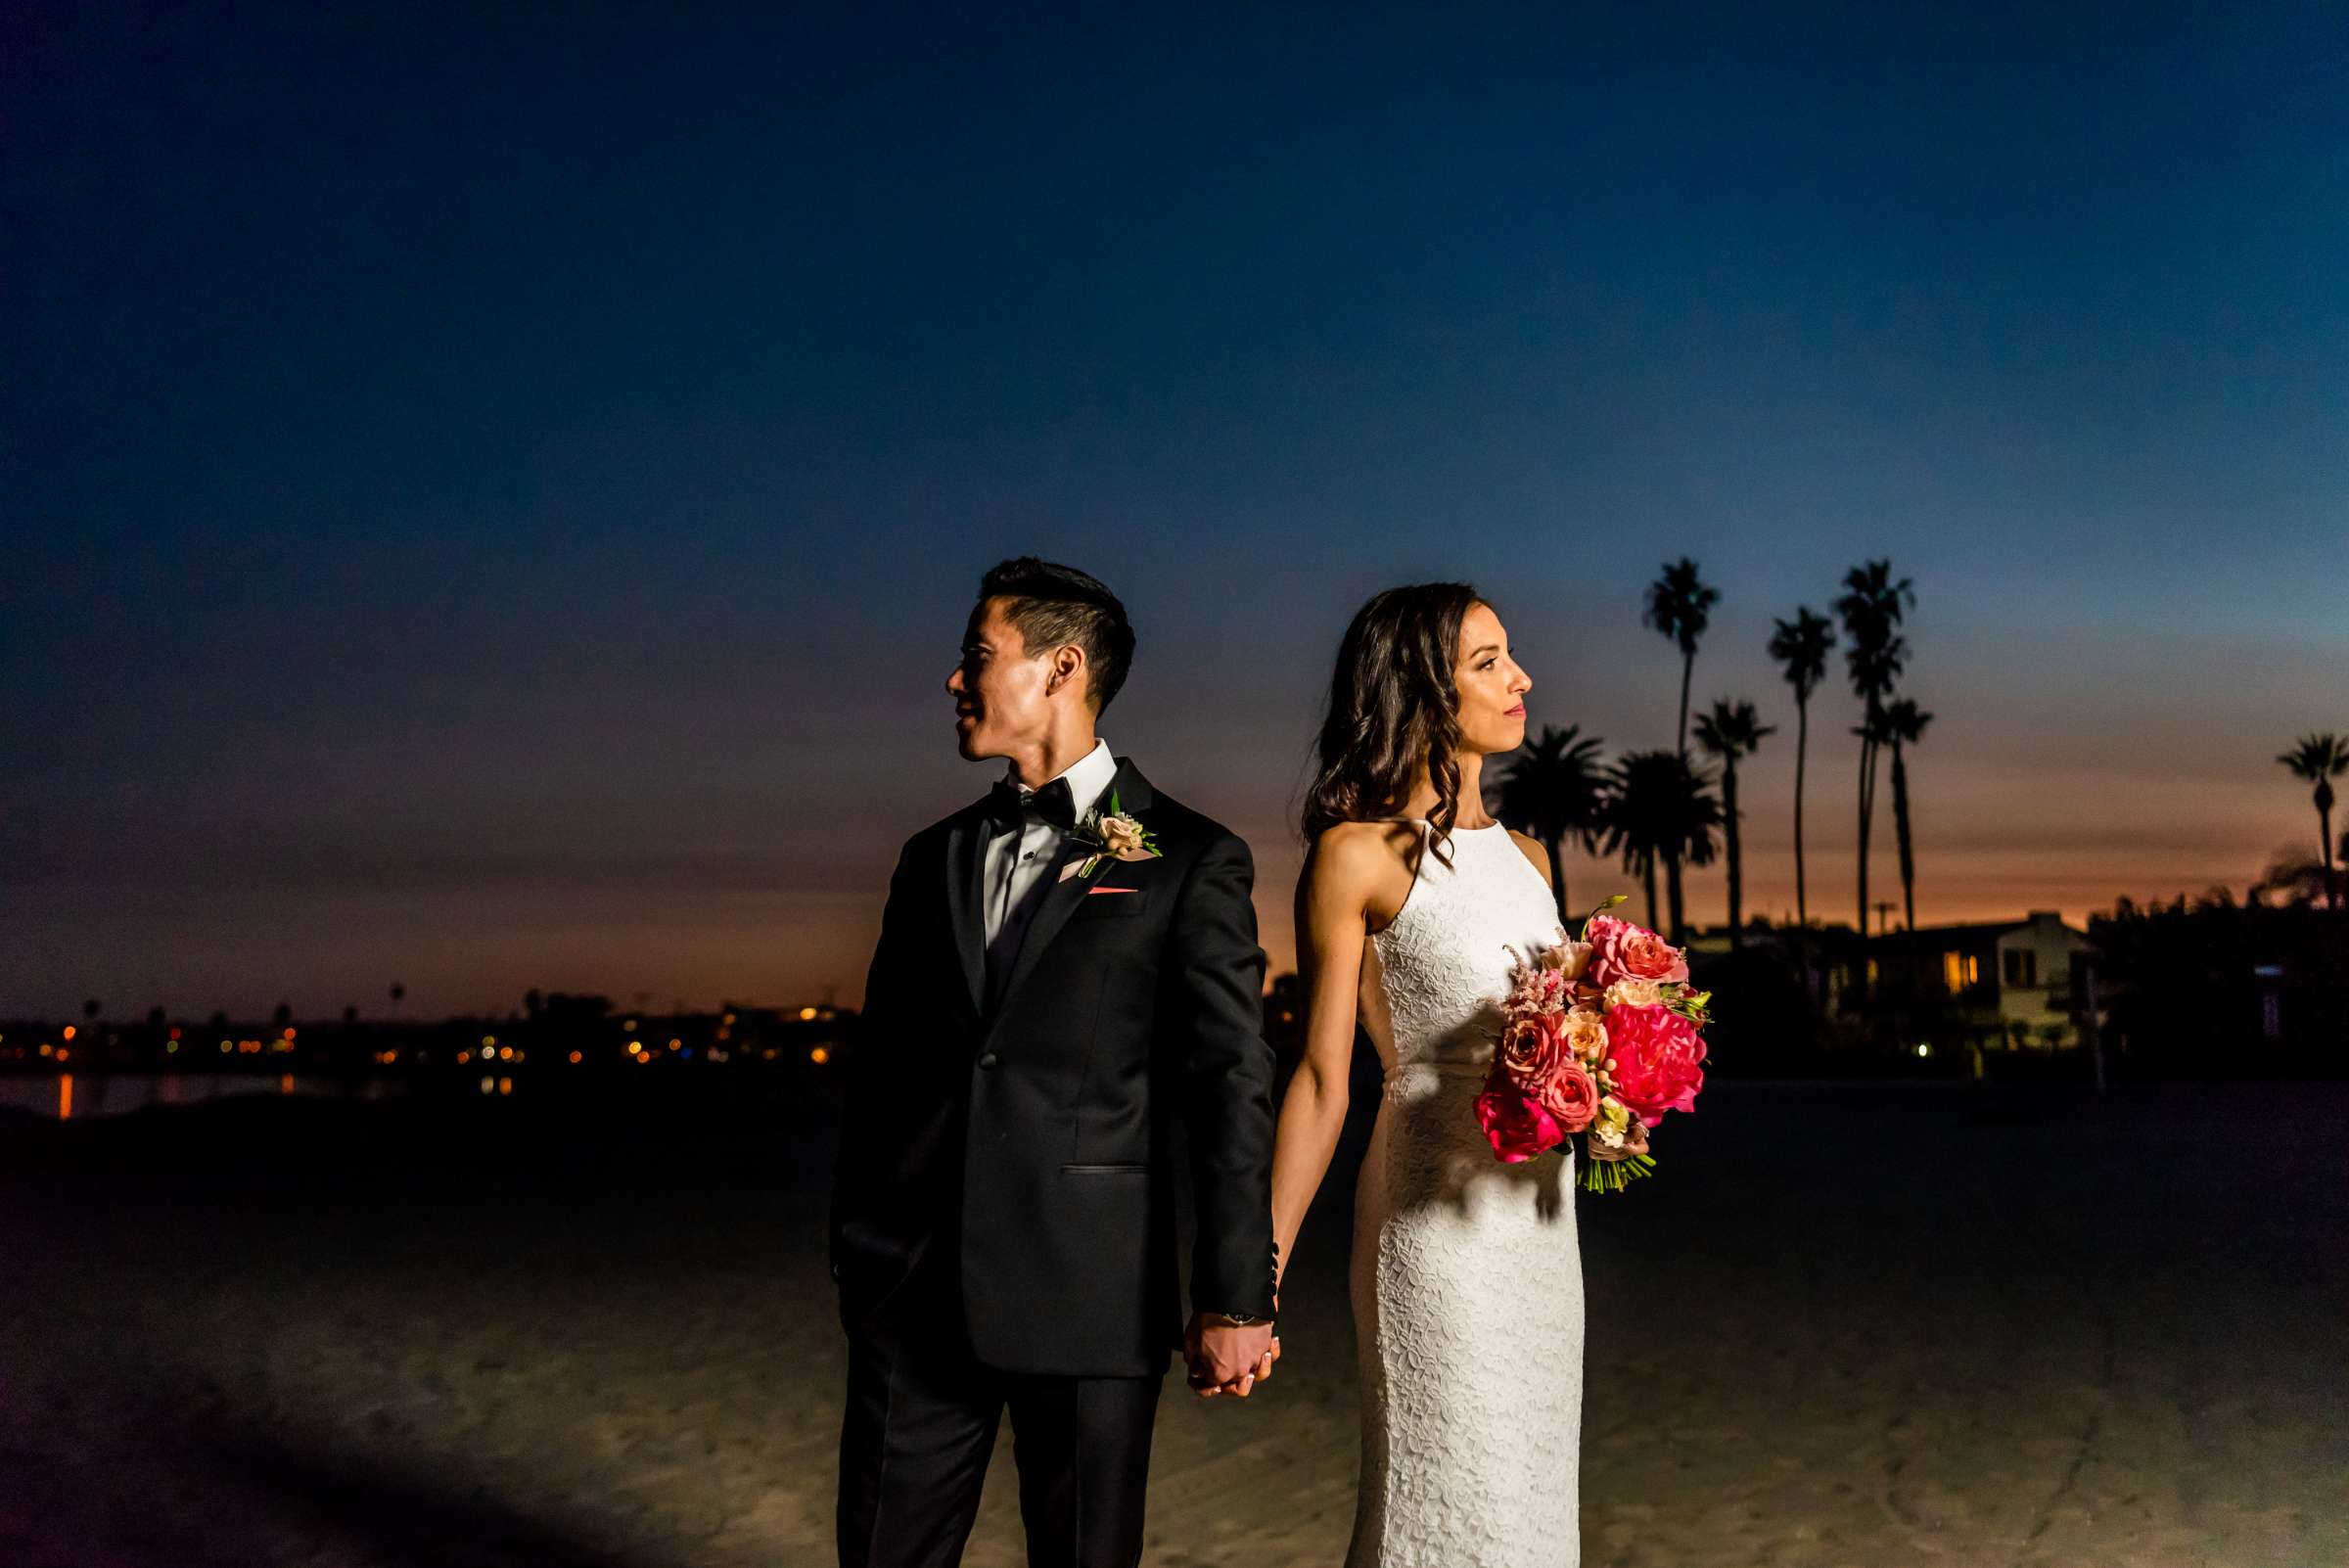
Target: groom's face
x=1000 y=701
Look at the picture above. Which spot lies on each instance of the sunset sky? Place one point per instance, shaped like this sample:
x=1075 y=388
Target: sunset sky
x=491 y=503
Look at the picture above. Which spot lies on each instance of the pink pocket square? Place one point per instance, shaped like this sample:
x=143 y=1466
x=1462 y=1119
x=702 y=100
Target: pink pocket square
x=1094 y=892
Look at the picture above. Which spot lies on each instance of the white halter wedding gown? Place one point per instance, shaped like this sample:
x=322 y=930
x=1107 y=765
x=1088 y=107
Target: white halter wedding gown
x=1467 y=1276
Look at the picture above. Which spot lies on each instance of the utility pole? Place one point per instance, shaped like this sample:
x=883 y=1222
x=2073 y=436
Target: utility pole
x=1883 y=914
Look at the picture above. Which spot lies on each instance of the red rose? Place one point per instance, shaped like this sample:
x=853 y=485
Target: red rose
x=1518 y=1128
x=1621 y=950
x=1659 y=1061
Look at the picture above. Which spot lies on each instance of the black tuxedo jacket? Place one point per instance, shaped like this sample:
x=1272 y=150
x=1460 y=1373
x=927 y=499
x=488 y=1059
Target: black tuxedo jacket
x=1035 y=1141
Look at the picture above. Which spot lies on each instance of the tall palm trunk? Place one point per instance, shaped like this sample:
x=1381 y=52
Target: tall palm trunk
x=1558 y=872
x=1728 y=805
x=1802 y=744
x=2332 y=889
x=1671 y=888
x=1900 y=824
x=1867 y=768
x=1647 y=869
x=1688 y=668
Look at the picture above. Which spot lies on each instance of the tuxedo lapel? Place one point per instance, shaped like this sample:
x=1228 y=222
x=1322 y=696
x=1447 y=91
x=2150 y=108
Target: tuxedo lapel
x=1060 y=900
x=966 y=857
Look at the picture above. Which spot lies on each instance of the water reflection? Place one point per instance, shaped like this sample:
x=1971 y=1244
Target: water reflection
x=67 y=1095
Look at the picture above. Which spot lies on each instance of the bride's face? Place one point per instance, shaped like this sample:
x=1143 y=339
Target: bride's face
x=1492 y=687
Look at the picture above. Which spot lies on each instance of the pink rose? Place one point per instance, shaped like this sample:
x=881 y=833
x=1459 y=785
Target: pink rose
x=1659 y=1061
x=1518 y=1128
x=1530 y=1050
x=1570 y=1095
x=1621 y=950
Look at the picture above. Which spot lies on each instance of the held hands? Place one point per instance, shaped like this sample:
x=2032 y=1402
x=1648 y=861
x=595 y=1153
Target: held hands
x=1227 y=1357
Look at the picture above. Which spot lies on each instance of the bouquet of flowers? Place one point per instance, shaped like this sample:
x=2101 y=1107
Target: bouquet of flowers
x=1600 y=1038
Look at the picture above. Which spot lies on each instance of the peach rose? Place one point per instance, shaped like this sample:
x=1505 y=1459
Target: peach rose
x=1622 y=950
x=1634 y=994
x=1586 y=1036
x=1569 y=959
x=1570 y=1096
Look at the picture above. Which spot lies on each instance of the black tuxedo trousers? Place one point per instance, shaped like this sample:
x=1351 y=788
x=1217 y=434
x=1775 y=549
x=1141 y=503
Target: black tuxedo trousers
x=1003 y=1232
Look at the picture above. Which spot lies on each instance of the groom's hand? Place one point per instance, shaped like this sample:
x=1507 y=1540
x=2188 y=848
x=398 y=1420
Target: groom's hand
x=1227 y=1357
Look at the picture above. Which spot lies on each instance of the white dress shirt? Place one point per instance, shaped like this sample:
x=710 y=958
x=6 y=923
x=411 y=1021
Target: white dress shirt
x=1017 y=863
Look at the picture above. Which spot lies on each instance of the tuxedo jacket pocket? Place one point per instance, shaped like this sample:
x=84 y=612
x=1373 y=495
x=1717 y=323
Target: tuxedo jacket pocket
x=1108 y=903
x=1105 y=1170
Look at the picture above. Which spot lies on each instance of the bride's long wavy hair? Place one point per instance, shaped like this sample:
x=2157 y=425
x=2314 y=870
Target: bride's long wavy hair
x=1394 y=707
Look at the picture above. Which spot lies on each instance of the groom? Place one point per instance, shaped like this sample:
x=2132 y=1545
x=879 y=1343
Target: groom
x=1066 y=976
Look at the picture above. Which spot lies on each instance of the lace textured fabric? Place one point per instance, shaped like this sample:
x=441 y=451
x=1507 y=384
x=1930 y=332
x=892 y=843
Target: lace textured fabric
x=1467 y=1274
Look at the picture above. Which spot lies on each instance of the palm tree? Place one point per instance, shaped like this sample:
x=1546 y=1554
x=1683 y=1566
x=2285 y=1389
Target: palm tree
x=1875 y=655
x=1802 y=646
x=1555 y=790
x=1730 y=731
x=2319 y=759
x=1680 y=605
x=1904 y=724
x=1659 y=808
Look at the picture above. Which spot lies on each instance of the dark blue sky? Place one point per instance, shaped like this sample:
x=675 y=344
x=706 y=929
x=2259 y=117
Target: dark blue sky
x=488 y=501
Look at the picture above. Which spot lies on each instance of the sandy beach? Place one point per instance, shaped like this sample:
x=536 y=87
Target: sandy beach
x=1885 y=1325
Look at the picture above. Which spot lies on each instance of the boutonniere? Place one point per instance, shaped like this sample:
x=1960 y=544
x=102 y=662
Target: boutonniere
x=1114 y=836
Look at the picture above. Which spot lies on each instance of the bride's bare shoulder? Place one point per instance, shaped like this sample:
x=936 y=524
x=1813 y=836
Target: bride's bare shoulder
x=1363 y=863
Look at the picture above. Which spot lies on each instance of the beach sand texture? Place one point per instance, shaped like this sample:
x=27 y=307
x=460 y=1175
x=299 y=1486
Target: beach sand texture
x=1888 y=1325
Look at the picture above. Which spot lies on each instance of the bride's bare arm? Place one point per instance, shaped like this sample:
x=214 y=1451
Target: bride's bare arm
x=1335 y=894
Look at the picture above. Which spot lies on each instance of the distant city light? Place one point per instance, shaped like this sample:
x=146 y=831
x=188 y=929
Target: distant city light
x=505 y=1053
x=226 y=1048
x=463 y=1057
x=47 y=1049
x=672 y=1044
x=68 y=1031
x=820 y=1056
x=576 y=1058
x=807 y=1015
x=289 y=1033
x=489 y=1039
x=488 y=1086
x=505 y=1086
x=63 y=1055
x=629 y=1026
x=170 y=1046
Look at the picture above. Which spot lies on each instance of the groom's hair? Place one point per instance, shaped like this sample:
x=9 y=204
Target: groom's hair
x=1054 y=606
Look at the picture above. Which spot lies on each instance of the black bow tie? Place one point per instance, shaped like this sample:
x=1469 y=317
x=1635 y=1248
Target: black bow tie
x=1008 y=808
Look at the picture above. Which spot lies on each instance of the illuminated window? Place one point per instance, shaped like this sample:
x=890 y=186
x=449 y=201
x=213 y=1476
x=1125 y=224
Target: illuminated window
x=1953 y=972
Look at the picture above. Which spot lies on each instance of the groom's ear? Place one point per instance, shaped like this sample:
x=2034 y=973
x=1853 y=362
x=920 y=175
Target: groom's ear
x=1069 y=671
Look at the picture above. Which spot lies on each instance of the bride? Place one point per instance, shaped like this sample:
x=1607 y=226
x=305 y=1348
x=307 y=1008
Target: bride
x=1467 y=1280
